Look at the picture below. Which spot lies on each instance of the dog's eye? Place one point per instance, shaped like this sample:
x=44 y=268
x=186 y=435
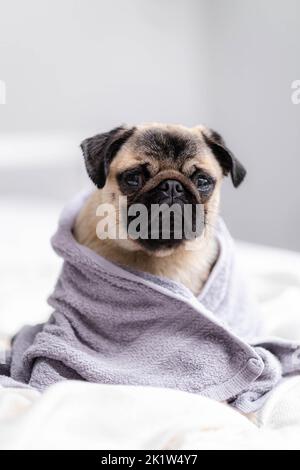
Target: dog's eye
x=203 y=183
x=133 y=180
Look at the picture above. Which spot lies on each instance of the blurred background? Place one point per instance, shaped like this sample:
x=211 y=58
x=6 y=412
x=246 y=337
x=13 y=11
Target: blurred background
x=73 y=68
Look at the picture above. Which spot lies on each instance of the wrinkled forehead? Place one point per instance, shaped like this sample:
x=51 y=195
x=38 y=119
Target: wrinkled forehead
x=165 y=147
x=174 y=146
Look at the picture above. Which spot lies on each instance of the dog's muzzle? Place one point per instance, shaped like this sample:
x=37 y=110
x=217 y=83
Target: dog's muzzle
x=166 y=213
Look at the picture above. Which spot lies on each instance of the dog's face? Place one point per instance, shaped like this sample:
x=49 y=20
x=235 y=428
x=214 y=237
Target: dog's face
x=166 y=166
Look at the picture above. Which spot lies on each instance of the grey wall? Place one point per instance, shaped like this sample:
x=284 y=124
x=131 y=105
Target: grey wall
x=82 y=66
x=76 y=64
x=254 y=57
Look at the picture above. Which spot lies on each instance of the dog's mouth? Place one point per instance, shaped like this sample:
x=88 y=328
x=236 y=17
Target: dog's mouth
x=165 y=217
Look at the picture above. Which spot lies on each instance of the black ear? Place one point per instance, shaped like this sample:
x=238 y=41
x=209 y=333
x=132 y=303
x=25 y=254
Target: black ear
x=225 y=157
x=99 y=151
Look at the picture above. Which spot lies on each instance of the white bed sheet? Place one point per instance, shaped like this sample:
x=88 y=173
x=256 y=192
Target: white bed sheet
x=81 y=415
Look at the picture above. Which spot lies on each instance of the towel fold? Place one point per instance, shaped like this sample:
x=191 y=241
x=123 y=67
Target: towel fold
x=115 y=326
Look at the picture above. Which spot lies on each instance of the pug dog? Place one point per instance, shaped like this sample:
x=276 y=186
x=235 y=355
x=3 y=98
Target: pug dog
x=158 y=164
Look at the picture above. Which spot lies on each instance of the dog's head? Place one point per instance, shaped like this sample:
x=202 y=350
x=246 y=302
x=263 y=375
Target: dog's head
x=162 y=166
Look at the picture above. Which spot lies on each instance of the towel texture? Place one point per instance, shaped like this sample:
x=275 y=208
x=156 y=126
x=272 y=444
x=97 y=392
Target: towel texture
x=111 y=325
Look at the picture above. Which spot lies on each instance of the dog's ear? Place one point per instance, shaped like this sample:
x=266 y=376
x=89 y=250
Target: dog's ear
x=229 y=163
x=99 y=151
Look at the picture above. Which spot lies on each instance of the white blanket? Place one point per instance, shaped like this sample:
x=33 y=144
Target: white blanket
x=77 y=415
x=81 y=415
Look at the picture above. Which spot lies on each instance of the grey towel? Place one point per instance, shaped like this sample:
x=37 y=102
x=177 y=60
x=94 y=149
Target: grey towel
x=111 y=325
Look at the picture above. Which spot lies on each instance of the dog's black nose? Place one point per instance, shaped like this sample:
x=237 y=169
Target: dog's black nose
x=171 y=188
